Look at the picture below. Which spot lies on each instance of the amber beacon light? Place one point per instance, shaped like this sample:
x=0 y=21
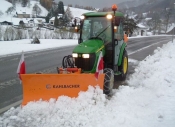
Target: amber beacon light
x=114 y=7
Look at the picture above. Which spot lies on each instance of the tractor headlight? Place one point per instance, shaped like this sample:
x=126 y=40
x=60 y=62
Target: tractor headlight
x=75 y=55
x=109 y=16
x=82 y=17
x=85 y=55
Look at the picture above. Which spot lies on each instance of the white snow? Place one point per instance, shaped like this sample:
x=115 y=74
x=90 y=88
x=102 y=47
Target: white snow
x=76 y=12
x=141 y=26
x=171 y=27
x=12 y=47
x=147 y=101
x=5 y=6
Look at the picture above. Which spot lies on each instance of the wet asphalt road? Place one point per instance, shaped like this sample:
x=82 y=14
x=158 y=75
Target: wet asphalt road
x=46 y=62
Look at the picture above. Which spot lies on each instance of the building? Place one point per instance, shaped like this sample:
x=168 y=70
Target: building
x=140 y=31
x=23 y=15
x=6 y=23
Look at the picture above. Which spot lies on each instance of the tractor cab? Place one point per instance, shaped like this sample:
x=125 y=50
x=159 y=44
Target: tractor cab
x=101 y=31
x=96 y=27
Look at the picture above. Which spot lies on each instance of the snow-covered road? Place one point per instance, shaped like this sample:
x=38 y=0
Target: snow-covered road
x=148 y=100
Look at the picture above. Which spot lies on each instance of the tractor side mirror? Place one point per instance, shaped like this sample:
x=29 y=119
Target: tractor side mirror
x=79 y=40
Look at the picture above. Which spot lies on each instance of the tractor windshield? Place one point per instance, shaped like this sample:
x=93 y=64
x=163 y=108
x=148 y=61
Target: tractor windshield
x=96 y=27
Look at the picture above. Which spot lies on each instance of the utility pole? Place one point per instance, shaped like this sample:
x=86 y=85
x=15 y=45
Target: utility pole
x=174 y=21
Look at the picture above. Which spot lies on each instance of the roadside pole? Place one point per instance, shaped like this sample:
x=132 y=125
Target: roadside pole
x=174 y=22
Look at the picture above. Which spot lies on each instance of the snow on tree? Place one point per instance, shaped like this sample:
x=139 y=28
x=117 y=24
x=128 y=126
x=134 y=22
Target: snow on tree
x=1 y=33
x=10 y=10
x=60 y=8
x=68 y=15
x=36 y=10
x=24 y=3
x=28 y=4
x=56 y=21
x=1 y=13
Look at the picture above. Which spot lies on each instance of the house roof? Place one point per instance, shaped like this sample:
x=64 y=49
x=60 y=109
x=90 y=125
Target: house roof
x=53 y=18
x=141 y=26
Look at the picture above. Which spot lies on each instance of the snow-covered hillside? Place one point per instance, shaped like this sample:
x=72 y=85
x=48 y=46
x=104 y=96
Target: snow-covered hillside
x=19 y=9
x=28 y=9
x=76 y=12
x=4 y=5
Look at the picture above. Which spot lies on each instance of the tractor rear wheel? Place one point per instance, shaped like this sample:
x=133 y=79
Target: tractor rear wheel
x=109 y=81
x=123 y=68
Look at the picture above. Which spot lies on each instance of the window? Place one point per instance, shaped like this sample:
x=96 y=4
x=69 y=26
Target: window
x=96 y=27
x=119 y=34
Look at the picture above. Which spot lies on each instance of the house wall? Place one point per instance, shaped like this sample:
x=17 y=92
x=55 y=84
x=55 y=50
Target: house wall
x=51 y=22
x=140 y=32
x=23 y=15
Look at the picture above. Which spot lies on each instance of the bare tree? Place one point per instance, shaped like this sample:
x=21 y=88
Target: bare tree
x=36 y=10
x=155 y=22
x=19 y=33
x=28 y=4
x=10 y=10
x=1 y=13
x=1 y=32
x=167 y=13
x=68 y=15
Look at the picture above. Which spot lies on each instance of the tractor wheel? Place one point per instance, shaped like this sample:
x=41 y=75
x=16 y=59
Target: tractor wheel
x=123 y=68
x=109 y=81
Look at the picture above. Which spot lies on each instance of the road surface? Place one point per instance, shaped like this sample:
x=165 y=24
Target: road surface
x=46 y=62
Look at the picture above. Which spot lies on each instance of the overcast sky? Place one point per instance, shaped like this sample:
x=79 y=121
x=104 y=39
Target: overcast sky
x=93 y=3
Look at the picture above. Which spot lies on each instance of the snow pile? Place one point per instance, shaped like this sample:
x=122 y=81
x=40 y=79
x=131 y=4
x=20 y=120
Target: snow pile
x=147 y=101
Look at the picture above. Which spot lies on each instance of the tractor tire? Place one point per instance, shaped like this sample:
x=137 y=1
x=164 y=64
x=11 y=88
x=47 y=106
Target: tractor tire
x=123 y=68
x=108 y=82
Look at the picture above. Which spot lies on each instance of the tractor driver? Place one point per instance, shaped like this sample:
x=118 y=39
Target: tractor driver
x=106 y=34
x=108 y=42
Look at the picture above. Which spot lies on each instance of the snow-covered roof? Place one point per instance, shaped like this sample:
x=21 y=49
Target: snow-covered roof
x=141 y=26
x=170 y=28
x=144 y=14
x=147 y=19
x=53 y=18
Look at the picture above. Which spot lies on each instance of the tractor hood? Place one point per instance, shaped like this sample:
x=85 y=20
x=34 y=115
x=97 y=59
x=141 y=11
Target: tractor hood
x=89 y=46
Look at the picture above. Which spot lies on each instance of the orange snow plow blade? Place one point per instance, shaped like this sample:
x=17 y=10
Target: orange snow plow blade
x=46 y=86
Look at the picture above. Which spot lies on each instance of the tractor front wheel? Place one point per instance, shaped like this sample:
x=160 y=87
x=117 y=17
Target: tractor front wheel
x=109 y=81
x=123 y=68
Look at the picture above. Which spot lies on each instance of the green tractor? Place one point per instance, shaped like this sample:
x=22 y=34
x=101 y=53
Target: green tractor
x=101 y=37
x=102 y=32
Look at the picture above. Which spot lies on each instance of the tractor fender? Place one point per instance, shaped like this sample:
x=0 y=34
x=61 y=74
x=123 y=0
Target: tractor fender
x=121 y=53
